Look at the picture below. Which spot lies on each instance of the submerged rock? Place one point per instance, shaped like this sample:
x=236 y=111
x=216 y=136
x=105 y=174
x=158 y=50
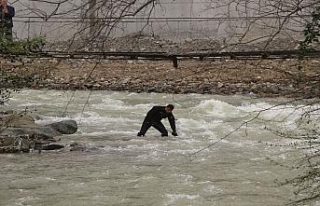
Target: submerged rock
x=52 y=147
x=76 y=146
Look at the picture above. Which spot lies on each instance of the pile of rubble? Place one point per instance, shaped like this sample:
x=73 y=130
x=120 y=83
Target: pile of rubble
x=140 y=42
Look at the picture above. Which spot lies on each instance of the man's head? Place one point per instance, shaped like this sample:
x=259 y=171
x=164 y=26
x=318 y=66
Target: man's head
x=4 y=2
x=169 y=108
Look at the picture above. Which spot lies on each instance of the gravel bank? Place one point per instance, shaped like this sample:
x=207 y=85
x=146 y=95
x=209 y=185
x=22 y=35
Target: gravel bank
x=260 y=78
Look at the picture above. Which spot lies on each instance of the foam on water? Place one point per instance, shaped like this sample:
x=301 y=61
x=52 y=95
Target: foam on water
x=174 y=198
x=217 y=109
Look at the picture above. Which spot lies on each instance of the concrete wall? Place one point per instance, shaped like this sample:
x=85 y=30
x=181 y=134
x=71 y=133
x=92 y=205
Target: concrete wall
x=173 y=19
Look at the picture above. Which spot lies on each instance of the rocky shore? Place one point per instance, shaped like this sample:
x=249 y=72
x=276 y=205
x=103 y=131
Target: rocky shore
x=260 y=78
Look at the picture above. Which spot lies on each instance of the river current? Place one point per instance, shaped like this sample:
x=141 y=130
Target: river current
x=224 y=155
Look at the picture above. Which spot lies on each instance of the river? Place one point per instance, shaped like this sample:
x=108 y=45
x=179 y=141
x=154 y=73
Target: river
x=215 y=160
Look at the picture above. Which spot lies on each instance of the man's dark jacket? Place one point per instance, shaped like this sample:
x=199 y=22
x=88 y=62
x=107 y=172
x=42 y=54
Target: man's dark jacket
x=157 y=113
x=6 y=18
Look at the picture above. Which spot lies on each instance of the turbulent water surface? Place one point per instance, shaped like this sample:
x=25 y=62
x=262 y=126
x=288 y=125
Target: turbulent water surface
x=217 y=159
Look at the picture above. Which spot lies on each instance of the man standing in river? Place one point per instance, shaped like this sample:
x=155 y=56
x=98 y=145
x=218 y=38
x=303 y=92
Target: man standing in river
x=154 y=117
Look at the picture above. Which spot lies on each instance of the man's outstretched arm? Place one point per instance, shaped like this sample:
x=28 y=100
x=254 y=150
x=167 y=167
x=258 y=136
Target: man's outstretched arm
x=173 y=125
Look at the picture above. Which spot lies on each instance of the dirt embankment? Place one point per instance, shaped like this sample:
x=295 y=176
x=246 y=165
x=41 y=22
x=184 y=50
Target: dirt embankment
x=261 y=78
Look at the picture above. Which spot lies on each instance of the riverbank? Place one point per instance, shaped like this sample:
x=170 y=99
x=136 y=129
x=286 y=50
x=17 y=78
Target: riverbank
x=260 y=78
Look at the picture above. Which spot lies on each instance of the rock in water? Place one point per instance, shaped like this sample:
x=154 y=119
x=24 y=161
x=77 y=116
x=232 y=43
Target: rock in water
x=52 y=147
x=65 y=127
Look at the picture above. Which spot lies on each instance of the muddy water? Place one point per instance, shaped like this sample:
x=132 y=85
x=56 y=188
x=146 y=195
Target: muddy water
x=213 y=161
